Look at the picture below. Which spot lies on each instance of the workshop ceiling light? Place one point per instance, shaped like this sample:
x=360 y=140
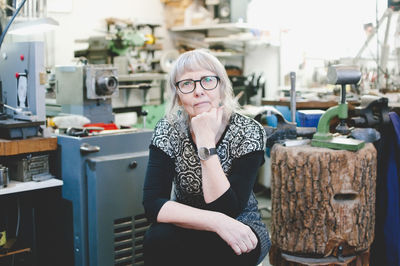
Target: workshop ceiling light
x=34 y=26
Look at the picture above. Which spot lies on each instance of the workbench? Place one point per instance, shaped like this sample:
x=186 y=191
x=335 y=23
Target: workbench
x=302 y=105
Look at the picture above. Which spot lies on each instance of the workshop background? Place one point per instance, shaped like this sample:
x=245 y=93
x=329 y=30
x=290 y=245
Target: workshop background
x=83 y=84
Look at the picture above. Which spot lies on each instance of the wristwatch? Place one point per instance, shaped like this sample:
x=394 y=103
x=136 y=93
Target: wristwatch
x=205 y=153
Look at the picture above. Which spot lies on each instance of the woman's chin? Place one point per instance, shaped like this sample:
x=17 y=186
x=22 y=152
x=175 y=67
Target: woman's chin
x=202 y=109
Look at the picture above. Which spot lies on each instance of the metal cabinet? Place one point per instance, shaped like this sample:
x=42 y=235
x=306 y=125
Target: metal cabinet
x=103 y=180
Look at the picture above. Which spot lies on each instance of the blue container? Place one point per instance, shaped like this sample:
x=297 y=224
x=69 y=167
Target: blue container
x=309 y=118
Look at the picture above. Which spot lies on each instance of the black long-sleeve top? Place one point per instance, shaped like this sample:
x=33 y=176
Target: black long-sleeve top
x=173 y=159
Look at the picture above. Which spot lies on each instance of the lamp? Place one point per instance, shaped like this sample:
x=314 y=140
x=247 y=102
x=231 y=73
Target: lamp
x=3 y=34
x=37 y=25
x=34 y=26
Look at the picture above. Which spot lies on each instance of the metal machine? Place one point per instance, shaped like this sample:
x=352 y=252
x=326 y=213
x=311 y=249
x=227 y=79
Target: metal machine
x=22 y=76
x=98 y=51
x=341 y=75
x=103 y=173
x=87 y=90
x=228 y=10
x=103 y=181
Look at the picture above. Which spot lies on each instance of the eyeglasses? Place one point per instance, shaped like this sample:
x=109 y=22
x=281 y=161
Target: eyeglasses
x=189 y=85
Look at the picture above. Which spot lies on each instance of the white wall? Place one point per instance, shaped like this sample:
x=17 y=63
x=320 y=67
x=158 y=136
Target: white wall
x=81 y=19
x=322 y=29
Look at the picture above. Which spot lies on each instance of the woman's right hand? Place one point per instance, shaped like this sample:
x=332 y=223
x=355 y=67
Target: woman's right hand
x=239 y=236
x=206 y=126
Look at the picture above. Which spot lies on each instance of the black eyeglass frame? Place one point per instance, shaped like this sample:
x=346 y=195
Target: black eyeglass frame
x=199 y=81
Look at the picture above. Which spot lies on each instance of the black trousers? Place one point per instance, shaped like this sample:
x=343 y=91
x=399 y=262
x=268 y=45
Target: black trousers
x=170 y=245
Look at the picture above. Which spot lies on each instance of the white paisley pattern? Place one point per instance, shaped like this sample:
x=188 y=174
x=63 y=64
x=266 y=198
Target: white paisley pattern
x=242 y=136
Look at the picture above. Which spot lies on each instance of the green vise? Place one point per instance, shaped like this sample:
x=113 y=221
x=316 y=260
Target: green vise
x=342 y=75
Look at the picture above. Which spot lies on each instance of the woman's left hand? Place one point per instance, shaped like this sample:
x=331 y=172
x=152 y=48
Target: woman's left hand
x=236 y=234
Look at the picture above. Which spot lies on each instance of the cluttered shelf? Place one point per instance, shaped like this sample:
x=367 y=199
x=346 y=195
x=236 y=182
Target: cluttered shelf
x=11 y=148
x=223 y=33
x=223 y=39
x=26 y=160
x=219 y=26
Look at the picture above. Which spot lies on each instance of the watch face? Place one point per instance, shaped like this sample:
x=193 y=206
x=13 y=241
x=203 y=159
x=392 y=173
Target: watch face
x=204 y=153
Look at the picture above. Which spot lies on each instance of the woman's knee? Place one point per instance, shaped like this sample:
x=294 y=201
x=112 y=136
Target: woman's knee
x=162 y=245
x=160 y=235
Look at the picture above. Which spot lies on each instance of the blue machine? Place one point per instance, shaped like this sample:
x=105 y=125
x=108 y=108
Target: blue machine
x=103 y=180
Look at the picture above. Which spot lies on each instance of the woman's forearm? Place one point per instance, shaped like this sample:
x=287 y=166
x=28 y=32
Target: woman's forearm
x=189 y=217
x=237 y=235
x=214 y=181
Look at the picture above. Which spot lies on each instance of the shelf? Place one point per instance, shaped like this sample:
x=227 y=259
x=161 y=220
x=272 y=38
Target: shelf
x=227 y=54
x=227 y=34
x=16 y=187
x=142 y=77
x=228 y=39
x=221 y=26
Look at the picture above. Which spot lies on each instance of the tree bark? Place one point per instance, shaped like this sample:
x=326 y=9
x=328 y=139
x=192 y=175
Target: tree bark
x=322 y=199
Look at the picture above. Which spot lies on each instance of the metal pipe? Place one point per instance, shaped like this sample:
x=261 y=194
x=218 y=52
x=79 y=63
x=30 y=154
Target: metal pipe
x=293 y=96
x=343 y=92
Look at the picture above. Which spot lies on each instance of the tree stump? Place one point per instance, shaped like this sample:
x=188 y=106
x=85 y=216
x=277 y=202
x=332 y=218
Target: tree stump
x=323 y=200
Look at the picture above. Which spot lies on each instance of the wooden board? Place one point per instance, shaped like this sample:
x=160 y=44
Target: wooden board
x=20 y=146
x=15 y=252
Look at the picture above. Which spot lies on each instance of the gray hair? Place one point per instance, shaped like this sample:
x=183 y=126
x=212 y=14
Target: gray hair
x=195 y=60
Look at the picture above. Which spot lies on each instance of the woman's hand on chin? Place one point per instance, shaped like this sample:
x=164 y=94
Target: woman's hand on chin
x=206 y=126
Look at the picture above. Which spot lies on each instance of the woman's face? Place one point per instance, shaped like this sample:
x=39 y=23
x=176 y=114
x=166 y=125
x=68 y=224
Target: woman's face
x=199 y=100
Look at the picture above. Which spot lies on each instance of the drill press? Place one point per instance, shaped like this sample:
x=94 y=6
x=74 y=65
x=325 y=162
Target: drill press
x=338 y=75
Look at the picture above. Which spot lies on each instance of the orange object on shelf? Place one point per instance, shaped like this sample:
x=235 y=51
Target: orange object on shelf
x=105 y=126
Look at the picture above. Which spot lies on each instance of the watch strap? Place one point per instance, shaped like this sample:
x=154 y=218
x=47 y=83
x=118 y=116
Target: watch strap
x=212 y=151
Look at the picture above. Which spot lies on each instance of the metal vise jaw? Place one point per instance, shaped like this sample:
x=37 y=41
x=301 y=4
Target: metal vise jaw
x=373 y=112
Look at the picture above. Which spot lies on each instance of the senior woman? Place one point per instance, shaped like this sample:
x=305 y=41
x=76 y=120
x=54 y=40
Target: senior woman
x=203 y=163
